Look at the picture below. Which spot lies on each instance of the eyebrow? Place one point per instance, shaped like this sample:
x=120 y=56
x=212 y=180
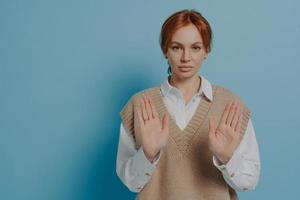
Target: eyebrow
x=198 y=42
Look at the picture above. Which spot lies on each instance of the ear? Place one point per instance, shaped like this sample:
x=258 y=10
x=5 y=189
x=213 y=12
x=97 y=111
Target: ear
x=166 y=55
x=205 y=55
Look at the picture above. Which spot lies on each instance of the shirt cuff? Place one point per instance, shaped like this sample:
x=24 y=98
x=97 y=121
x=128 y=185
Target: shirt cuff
x=143 y=167
x=156 y=159
x=230 y=169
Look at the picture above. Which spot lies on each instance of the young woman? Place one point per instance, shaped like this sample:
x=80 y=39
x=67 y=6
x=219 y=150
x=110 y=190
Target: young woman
x=187 y=138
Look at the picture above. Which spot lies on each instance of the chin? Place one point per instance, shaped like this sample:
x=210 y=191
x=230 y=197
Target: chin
x=186 y=75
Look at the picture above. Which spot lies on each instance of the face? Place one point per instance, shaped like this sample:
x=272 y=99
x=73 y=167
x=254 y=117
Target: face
x=186 y=52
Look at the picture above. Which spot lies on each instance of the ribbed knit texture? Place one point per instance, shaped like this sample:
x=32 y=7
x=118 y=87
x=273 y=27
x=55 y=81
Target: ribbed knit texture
x=185 y=170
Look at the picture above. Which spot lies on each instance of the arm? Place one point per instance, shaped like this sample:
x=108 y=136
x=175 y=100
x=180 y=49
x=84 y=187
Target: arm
x=133 y=168
x=242 y=171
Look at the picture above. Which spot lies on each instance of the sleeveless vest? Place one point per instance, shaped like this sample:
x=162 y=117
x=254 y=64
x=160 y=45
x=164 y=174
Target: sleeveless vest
x=185 y=170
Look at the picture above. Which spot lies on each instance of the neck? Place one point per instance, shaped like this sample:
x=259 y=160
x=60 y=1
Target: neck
x=188 y=86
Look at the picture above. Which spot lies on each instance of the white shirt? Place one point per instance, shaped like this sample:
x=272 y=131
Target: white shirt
x=241 y=172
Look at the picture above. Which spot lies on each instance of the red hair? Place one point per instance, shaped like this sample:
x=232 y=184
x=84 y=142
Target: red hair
x=183 y=18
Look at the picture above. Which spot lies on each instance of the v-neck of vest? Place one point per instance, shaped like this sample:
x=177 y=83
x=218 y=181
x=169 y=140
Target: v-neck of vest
x=187 y=134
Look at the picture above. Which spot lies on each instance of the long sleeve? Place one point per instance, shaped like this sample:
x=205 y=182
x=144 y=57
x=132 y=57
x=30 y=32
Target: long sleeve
x=243 y=169
x=241 y=172
x=132 y=167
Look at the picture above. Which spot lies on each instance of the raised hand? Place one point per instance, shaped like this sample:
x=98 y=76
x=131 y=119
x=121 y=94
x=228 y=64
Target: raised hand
x=224 y=139
x=154 y=132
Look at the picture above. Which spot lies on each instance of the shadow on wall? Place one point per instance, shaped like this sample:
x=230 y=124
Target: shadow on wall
x=102 y=181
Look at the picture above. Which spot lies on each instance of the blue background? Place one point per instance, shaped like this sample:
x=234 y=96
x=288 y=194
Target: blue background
x=68 y=67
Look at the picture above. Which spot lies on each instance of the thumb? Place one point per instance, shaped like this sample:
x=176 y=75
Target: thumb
x=165 y=123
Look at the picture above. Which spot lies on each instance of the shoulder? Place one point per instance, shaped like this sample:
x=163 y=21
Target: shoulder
x=225 y=95
x=147 y=91
x=134 y=99
x=221 y=91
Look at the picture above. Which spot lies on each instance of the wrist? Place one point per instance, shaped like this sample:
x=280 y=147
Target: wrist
x=151 y=155
x=224 y=159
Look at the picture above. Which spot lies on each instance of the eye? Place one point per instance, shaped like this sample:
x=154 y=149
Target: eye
x=175 y=48
x=196 y=48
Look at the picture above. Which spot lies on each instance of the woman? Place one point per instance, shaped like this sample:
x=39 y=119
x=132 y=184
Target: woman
x=188 y=138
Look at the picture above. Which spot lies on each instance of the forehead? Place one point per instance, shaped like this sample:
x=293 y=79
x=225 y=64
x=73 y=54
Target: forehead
x=187 y=35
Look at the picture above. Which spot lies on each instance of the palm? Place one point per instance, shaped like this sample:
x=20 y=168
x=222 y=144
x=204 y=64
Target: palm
x=154 y=131
x=224 y=139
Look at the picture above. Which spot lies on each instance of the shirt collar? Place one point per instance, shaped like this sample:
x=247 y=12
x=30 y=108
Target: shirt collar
x=205 y=88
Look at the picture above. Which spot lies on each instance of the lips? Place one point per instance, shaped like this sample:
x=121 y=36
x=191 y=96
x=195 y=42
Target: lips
x=185 y=68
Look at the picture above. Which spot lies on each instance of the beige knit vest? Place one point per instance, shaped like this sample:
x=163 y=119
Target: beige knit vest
x=185 y=170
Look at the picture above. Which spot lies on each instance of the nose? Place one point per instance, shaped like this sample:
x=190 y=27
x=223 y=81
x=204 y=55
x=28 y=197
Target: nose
x=185 y=57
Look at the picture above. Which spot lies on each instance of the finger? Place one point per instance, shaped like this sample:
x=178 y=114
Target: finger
x=148 y=108
x=140 y=118
x=238 y=125
x=225 y=113
x=143 y=109
x=236 y=116
x=231 y=113
x=153 y=109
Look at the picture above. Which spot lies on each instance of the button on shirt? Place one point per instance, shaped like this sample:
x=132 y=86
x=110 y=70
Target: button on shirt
x=241 y=172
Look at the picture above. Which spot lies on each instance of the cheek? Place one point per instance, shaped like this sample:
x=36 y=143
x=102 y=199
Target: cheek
x=199 y=58
x=173 y=57
x=172 y=62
